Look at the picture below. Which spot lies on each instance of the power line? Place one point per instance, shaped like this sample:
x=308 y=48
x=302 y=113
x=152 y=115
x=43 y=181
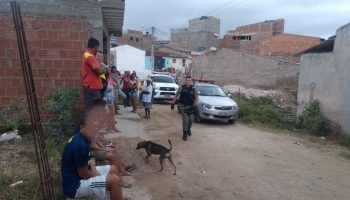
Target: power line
x=225 y=4
x=230 y=7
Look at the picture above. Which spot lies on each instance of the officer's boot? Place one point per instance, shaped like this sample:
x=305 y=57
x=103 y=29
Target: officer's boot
x=184 y=136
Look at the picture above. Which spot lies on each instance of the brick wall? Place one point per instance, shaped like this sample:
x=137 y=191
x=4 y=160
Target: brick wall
x=286 y=45
x=283 y=46
x=55 y=46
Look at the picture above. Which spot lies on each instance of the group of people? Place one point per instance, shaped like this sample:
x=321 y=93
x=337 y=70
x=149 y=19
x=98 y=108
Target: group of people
x=136 y=90
x=81 y=178
x=103 y=86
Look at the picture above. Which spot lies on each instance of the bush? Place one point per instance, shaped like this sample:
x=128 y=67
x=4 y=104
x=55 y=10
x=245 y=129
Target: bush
x=260 y=109
x=313 y=121
x=63 y=112
x=15 y=116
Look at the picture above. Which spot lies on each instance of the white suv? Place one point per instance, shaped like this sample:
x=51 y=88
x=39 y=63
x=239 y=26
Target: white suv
x=165 y=86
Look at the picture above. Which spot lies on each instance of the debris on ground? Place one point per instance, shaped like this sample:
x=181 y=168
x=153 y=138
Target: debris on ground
x=16 y=183
x=8 y=136
x=282 y=97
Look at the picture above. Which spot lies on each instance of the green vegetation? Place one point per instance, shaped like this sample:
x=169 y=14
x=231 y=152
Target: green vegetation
x=63 y=112
x=15 y=116
x=262 y=111
x=313 y=121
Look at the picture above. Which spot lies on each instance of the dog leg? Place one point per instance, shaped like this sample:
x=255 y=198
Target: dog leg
x=161 y=159
x=147 y=157
x=172 y=163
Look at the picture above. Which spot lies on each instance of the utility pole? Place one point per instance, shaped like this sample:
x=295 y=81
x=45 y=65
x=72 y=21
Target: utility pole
x=152 y=50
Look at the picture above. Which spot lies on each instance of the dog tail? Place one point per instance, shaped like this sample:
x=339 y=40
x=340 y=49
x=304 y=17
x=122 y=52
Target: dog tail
x=171 y=146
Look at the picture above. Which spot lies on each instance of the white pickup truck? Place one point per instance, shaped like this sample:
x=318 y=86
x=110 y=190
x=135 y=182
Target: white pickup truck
x=165 y=86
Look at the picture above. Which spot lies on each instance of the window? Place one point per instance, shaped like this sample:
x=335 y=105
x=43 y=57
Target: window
x=174 y=60
x=163 y=79
x=131 y=38
x=137 y=39
x=183 y=62
x=243 y=37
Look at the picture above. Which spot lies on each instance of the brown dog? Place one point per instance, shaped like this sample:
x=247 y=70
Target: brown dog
x=153 y=148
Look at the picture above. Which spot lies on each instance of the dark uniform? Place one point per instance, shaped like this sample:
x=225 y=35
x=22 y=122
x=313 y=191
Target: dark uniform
x=186 y=103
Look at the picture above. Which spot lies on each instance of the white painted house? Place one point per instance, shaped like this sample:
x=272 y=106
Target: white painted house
x=130 y=58
x=180 y=64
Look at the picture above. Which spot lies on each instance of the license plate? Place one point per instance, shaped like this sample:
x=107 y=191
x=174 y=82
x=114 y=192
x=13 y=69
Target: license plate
x=167 y=96
x=223 y=113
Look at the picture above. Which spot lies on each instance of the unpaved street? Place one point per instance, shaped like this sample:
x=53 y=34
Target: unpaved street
x=236 y=162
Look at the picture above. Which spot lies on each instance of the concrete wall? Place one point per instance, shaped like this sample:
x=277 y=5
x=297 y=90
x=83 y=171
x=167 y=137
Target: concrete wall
x=228 y=66
x=199 y=34
x=211 y=25
x=326 y=77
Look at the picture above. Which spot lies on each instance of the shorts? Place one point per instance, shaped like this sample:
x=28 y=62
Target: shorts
x=99 y=155
x=146 y=104
x=95 y=186
x=91 y=95
x=133 y=93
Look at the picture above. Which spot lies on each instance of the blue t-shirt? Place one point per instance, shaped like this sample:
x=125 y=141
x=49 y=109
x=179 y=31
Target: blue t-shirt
x=75 y=155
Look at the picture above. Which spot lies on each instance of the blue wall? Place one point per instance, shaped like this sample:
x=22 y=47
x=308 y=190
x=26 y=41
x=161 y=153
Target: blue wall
x=148 y=63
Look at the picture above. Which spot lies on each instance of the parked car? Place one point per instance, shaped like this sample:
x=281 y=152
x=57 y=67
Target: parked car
x=165 y=86
x=214 y=104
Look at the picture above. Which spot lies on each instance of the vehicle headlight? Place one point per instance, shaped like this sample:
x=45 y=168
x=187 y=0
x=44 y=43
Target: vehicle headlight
x=207 y=106
x=156 y=87
x=234 y=108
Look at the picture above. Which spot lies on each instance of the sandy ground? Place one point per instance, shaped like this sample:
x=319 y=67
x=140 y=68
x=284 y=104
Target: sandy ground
x=223 y=161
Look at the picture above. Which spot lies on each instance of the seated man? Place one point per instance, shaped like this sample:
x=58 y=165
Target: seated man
x=79 y=179
x=102 y=150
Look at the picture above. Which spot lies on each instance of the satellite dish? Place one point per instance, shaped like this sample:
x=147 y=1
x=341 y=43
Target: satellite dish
x=213 y=48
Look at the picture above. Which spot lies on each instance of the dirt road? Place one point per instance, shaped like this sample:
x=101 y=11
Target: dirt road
x=237 y=162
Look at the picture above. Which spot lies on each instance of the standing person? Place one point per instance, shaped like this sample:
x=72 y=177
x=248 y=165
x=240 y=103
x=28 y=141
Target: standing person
x=147 y=98
x=119 y=92
x=109 y=97
x=133 y=92
x=140 y=89
x=153 y=95
x=117 y=89
x=91 y=71
x=99 y=58
x=126 y=88
x=187 y=102
x=81 y=179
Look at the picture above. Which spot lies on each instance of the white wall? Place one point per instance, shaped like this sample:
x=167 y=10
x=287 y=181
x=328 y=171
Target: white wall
x=329 y=74
x=130 y=58
x=178 y=64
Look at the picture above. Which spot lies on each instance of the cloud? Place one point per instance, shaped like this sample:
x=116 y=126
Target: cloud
x=315 y=18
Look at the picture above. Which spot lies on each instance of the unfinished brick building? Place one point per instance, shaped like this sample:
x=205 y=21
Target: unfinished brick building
x=57 y=34
x=268 y=39
x=135 y=38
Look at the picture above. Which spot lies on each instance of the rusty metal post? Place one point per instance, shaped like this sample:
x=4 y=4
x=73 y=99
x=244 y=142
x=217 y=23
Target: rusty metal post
x=39 y=140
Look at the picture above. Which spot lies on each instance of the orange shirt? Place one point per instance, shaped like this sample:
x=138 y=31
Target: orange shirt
x=89 y=70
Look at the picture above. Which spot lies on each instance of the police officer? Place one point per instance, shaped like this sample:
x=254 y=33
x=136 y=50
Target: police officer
x=187 y=102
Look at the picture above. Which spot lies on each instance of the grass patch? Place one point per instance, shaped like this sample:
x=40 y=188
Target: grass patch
x=345 y=141
x=262 y=111
x=345 y=155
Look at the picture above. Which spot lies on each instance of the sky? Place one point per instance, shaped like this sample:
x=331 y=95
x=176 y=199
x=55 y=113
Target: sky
x=319 y=18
